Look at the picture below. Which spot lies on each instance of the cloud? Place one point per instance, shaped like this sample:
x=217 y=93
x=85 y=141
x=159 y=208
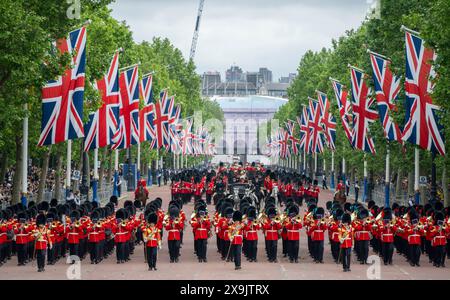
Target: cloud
x=251 y=33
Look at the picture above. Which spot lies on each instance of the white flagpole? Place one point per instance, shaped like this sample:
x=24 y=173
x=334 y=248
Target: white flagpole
x=25 y=158
x=366 y=187
x=315 y=165
x=69 y=166
x=95 y=181
x=304 y=161
x=332 y=171
x=138 y=164
x=416 y=175
x=116 y=173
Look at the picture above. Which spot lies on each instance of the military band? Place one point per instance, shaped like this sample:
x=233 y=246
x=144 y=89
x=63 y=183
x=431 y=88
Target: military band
x=239 y=205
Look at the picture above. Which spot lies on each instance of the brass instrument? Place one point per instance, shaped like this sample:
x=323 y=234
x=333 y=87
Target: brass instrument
x=176 y=220
x=277 y=219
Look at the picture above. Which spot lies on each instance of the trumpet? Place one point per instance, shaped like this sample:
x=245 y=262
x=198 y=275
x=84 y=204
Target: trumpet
x=176 y=220
x=277 y=219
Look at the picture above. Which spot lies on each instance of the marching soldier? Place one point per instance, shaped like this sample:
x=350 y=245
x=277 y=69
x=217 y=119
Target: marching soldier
x=362 y=230
x=22 y=233
x=439 y=231
x=387 y=230
x=152 y=240
x=293 y=225
x=235 y=236
x=333 y=231
x=42 y=242
x=346 y=241
x=224 y=224
x=317 y=232
x=73 y=233
x=271 y=227
x=120 y=233
x=201 y=226
x=413 y=233
x=95 y=232
x=251 y=234
x=174 y=226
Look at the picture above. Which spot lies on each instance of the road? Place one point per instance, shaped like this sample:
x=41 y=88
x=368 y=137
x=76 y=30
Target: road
x=189 y=269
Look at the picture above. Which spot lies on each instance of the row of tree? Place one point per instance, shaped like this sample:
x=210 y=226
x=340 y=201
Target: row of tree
x=382 y=35
x=27 y=30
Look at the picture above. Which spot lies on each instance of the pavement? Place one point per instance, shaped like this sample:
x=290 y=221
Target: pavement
x=189 y=268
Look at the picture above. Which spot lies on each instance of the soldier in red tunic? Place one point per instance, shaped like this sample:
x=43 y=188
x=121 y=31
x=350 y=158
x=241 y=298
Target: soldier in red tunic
x=271 y=227
x=293 y=225
x=22 y=232
x=346 y=241
x=42 y=241
x=317 y=232
x=174 y=226
x=201 y=226
x=152 y=240
x=387 y=229
x=362 y=230
x=439 y=241
x=251 y=228
x=235 y=234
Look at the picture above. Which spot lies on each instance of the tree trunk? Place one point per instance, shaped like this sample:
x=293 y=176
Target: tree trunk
x=4 y=166
x=101 y=170
x=58 y=171
x=43 y=175
x=110 y=166
x=445 y=186
x=398 y=184
x=17 y=180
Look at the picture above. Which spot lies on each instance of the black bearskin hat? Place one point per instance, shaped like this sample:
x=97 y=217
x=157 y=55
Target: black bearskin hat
x=237 y=216
x=40 y=219
x=43 y=206
x=318 y=214
x=113 y=199
x=152 y=218
x=53 y=202
x=346 y=218
x=128 y=203
x=75 y=214
x=174 y=212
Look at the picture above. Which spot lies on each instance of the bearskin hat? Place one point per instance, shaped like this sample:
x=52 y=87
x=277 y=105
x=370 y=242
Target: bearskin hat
x=370 y=204
x=338 y=213
x=121 y=214
x=40 y=219
x=174 y=212
x=346 y=218
x=319 y=213
x=127 y=203
x=347 y=206
x=439 y=216
x=271 y=211
x=251 y=212
x=237 y=216
x=438 y=206
x=75 y=214
x=31 y=204
x=329 y=205
x=94 y=204
x=293 y=210
x=229 y=212
x=152 y=218
x=95 y=215
x=363 y=213
x=43 y=206
x=22 y=216
x=113 y=199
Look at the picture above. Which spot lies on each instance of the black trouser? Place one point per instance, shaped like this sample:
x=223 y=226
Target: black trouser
x=21 y=253
x=272 y=249
x=292 y=247
x=284 y=246
x=310 y=246
x=236 y=252
x=252 y=249
x=120 y=251
x=40 y=256
x=174 y=249
x=346 y=257
x=127 y=250
x=439 y=255
x=387 y=251
x=219 y=243
x=414 y=254
x=225 y=248
x=152 y=253
x=2 y=253
x=201 y=248
x=82 y=248
x=208 y=198
x=324 y=185
x=30 y=250
x=448 y=248
x=51 y=255
x=74 y=250
x=317 y=247
x=95 y=251
x=244 y=247
x=363 y=250
x=335 y=250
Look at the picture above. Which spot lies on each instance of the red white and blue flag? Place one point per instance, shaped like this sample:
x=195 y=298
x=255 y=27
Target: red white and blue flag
x=295 y=143
x=283 y=141
x=328 y=121
x=128 y=133
x=344 y=108
x=147 y=113
x=103 y=123
x=174 y=129
x=363 y=115
x=186 y=138
x=62 y=99
x=315 y=127
x=422 y=126
x=163 y=108
x=387 y=87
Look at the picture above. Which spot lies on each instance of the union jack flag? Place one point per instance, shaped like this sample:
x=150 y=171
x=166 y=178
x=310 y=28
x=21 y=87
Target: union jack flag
x=363 y=115
x=422 y=122
x=163 y=108
x=305 y=136
x=147 y=113
x=387 y=87
x=328 y=121
x=344 y=108
x=290 y=125
x=174 y=129
x=62 y=99
x=186 y=138
x=315 y=127
x=128 y=133
x=283 y=141
x=103 y=123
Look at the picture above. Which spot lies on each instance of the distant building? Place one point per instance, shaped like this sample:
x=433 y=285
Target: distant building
x=253 y=78
x=234 y=74
x=274 y=89
x=288 y=79
x=265 y=74
x=209 y=81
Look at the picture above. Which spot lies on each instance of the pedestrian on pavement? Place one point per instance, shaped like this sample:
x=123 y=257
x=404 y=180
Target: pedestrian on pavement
x=347 y=187
x=356 y=191
x=324 y=182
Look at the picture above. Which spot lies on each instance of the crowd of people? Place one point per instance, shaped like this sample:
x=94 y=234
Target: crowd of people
x=245 y=200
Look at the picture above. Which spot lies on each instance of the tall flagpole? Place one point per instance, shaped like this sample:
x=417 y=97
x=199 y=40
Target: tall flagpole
x=25 y=158
x=416 y=175
x=69 y=166
x=315 y=165
x=387 y=179
x=116 y=173
x=366 y=186
x=304 y=162
x=95 y=181
x=332 y=171
x=343 y=170
x=138 y=163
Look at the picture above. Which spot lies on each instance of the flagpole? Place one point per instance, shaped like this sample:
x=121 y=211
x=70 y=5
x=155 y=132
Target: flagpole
x=25 y=158
x=332 y=171
x=69 y=166
x=387 y=179
x=416 y=175
x=116 y=173
x=315 y=165
x=95 y=181
x=138 y=163
x=304 y=162
x=343 y=170
x=366 y=187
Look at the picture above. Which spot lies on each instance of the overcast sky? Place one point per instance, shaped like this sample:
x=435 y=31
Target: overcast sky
x=249 y=33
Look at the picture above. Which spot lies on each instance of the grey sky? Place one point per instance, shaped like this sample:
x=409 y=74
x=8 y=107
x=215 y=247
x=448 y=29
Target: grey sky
x=251 y=33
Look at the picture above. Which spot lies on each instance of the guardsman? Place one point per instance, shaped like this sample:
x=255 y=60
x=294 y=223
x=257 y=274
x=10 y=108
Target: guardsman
x=236 y=237
x=209 y=190
x=346 y=241
x=413 y=232
x=224 y=225
x=42 y=242
x=120 y=232
x=299 y=192
x=439 y=232
x=271 y=228
x=22 y=232
x=251 y=228
x=51 y=228
x=198 y=189
x=387 y=231
x=333 y=231
x=362 y=230
x=293 y=224
x=73 y=233
x=317 y=233
x=152 y=240
x=174 y=226
x=201 y=226
x=95 y=231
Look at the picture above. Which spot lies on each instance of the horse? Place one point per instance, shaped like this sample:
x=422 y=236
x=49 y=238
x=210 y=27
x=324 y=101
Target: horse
x=340 y=196
x=141 y=194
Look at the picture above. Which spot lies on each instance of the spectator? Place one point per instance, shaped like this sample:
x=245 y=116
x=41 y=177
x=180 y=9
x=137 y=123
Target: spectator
x=356 y=191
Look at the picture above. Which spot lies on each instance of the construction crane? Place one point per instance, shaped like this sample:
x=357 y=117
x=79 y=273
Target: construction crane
x=197 y=26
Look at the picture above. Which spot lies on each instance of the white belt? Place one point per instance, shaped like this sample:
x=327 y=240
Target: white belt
x=22 y=234
x=251 y=231
x=201 y=228
x=318 y=230
x=73 y=233
x=271 y=230
x=121 y=233
x=298 y=230
x=173 y=230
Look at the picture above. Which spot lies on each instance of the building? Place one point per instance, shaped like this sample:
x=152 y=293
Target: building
x=253 y=78
x=265 y=74
x=209 y=81
x=274 y=89
x=243 y=116
x=234 y=74
x=289 y=79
